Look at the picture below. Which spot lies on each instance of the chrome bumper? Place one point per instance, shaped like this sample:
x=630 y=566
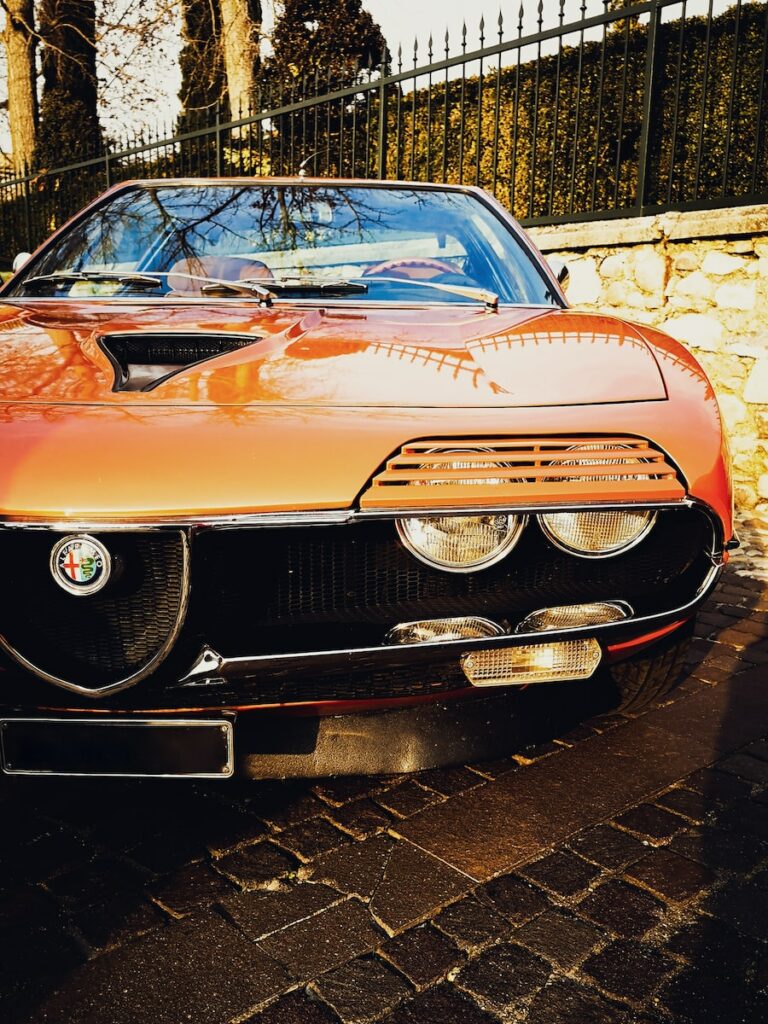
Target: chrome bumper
x=212 y=668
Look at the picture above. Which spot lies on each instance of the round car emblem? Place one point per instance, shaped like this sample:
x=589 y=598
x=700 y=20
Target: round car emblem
x=80 y=565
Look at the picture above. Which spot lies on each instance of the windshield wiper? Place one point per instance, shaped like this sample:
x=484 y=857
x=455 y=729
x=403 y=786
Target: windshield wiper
x=73 y=276
x=488 y=298
x=315 y=286
x=281 y=286
x=217 y=286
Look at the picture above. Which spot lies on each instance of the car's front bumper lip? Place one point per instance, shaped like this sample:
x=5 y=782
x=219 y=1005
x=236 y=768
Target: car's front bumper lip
x=211 y=667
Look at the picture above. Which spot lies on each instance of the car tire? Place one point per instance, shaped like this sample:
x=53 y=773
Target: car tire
x=651 y=675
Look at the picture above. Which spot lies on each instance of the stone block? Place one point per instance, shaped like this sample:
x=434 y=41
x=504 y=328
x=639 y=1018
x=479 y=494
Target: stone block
x=761 y=246
x=697 y=330
x=733 y=409
x=756 y=390
x=736 y=296
x=695 y=286
x=615 y=265
x=742 y=245
x=650 y=269
x=762 y=486
x=721 y=223
x=585 y=285
x=756 y=348
x=686 y=261
x=721 y=263
x=588 y=234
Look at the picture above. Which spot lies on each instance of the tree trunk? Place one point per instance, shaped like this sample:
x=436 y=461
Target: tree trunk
x=240 y=25
x=19 y=40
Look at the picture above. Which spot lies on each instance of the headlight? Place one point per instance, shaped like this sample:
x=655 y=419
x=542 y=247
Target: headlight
x=461 y=543
x=597 y=534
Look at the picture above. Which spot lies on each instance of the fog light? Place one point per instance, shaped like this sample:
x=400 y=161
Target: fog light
x=431 y=631
x=569 y=616
x=533 y=663
x=597 y=534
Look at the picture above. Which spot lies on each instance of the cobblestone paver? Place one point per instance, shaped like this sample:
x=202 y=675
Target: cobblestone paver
x=615 y=870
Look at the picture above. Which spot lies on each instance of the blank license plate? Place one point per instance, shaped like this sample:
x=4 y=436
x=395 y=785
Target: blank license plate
x=138 y=747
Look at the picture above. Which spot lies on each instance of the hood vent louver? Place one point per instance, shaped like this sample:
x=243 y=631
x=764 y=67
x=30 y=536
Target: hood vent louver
x=142 y=361
x=523 y=471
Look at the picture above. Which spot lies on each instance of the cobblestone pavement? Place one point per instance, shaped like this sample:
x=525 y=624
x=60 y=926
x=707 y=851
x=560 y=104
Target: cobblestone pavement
x=615 y=870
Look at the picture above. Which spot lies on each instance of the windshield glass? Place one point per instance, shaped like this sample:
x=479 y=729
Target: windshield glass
x=357 y=243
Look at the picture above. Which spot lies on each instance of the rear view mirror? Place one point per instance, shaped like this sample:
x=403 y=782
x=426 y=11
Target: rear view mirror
x=20 y=259
x=560 y=270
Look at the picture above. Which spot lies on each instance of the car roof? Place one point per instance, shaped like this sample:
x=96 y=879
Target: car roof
x=298 y=180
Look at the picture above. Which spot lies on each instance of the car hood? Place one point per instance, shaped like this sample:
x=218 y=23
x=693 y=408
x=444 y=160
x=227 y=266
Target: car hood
x=55 y=353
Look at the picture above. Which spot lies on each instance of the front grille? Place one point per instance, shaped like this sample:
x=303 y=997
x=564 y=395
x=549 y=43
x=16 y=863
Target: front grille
x=279 y=591
x=97 y=640
x=261 y=591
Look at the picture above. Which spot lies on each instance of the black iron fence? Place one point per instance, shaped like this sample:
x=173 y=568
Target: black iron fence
x=625 y=110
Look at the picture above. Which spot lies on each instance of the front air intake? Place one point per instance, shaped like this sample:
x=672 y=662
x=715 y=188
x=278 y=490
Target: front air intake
x=451 y=473
x=101 y=642
x=142 y=361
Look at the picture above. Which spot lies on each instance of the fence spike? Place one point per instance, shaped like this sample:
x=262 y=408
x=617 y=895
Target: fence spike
x=464 y=37
x=399 y=57
x=541 y=14
x=430 y=52
x=447 y=43
x=500 y=22
x=520 y=16
x=415 y=51
x=562 y=10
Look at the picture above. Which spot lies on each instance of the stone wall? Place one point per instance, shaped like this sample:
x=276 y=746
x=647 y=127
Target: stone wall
x=703 y=278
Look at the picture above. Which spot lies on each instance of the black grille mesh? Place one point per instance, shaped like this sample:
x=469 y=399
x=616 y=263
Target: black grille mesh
x=100 y=639
x=268 y=591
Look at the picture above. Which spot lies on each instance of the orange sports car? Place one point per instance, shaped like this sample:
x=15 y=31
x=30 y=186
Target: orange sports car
x=298 y=477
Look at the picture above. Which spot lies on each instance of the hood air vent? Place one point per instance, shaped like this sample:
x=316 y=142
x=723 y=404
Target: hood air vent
x=523 y=471
x=142 y=361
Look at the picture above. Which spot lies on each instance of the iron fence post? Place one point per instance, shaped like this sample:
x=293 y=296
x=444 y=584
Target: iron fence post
x=643 y=154
x=219 y=162
x=27 y=212
x=107 y=172
x=381 y=170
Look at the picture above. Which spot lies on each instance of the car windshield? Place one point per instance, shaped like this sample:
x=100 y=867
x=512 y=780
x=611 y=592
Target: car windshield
x=355 y=243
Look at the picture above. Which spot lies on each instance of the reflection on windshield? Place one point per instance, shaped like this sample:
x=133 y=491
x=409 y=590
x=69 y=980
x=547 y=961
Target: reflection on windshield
x=380 y=242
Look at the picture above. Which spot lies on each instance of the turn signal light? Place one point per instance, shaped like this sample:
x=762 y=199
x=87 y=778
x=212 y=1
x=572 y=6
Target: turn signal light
x=532 y=663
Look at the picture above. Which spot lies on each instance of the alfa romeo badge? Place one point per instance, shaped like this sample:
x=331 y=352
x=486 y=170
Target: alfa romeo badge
x=81 y=564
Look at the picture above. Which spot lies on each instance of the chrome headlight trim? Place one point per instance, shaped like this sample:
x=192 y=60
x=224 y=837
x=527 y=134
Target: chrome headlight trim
x=515 y=526
x=552 y=537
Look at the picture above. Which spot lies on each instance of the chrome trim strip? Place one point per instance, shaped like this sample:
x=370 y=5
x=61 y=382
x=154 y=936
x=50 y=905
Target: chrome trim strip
x=212 y=663
x=331 y=517
x=157 y=659
x=220 y=723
